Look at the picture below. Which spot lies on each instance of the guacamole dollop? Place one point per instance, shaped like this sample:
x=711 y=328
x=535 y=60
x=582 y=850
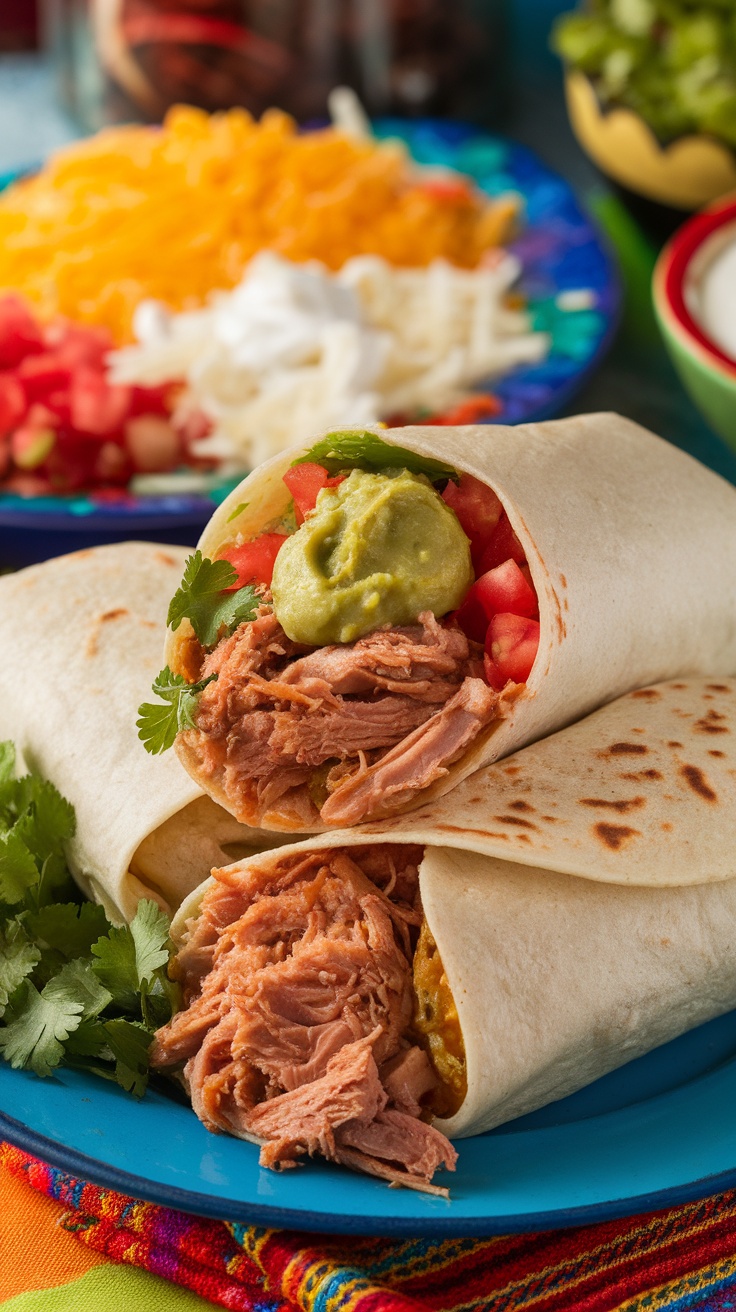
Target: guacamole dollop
x=378 y=549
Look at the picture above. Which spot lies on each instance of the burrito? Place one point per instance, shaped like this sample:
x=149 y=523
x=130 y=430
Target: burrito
x=369 y=621
x=82 y=638
x=371 y=994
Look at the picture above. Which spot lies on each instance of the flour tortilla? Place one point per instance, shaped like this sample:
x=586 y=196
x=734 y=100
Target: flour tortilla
x=570 y=951
x=632 y=549
x=81 y=640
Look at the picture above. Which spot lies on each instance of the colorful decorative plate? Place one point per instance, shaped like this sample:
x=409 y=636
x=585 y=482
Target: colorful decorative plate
x=573 y=293
x=658 y=1132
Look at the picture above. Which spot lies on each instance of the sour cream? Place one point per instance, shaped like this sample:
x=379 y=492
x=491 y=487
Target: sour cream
x=710 y=290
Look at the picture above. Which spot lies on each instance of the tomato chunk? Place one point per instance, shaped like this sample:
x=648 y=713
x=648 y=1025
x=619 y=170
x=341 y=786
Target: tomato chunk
x=305 y=482
x=502 y=545
x=255 y=560
x=20 y=335
x=478 y=509
x=12 y=402
x=511 y=647
x=98 y=407
x=42 y=374
x=501 y=590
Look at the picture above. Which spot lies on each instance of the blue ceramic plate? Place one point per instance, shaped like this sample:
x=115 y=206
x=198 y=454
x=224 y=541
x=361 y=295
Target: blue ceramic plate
x=658 y=1132
x=561 y=252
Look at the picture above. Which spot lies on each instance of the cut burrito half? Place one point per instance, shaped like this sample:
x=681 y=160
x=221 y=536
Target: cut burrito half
x=81 y=637
x=369 y=621
x=369 y=995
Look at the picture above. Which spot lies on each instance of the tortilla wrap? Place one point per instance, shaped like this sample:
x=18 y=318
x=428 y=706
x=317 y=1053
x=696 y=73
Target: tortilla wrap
x=568 y=951
x=632 y=550
x=81 y=640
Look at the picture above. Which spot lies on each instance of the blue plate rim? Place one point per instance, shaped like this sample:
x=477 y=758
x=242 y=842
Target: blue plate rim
x=106 y=1176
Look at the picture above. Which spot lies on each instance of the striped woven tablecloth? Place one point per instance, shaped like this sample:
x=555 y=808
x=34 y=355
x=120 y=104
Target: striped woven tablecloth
x=67 y=1246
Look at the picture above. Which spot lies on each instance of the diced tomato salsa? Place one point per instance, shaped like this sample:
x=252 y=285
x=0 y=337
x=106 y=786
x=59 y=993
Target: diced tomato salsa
x=305 y=482
x=64 y=426
x=254 y=561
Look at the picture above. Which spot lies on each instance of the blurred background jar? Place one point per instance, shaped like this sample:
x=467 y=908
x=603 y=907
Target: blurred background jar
x=130 y=59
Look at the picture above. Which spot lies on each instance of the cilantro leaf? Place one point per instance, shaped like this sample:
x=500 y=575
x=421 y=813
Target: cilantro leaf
x=18 y=870
x=115 y=966
x=50 y=821
x=78 y=981
x=202 y=599
x=129 y=1043
x=18 y=956
x=366 y=450
x=68 y=927
x=7 y=761
x=150 y=930
x=129 y=956
x=159 y=725
x=38 y=1024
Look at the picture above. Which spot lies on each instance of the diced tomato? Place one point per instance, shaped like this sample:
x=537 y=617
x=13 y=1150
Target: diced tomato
x=78 y=344
x=32 y=443
x=112 y=464
x=478 y=509
x=305 y=482
x=42 y=374
x=511 y=647
x=501 y=590
x=481 y=406
x=20 y=335
x=255 y=560
x=152 y=444
x=152 y=401
x=13 y=403
x=502 y=545
x=98 y=407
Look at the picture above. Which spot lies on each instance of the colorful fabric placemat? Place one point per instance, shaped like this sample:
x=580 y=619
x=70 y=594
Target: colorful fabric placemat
x=67 y=1246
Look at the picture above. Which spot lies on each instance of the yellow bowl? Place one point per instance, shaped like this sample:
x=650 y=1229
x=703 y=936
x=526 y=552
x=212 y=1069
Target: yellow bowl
x=686 y=174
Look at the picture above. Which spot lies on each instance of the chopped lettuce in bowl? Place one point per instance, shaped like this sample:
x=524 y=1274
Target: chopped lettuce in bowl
x=673 y=62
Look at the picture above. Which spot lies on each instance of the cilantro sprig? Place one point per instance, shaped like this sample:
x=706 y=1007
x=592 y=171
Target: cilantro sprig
x=202 y=599
x=157 y=724
x=74 y=990
x=365 y=450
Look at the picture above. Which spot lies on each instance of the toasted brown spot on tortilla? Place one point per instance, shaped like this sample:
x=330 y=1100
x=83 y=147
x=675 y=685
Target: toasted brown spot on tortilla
x=711 y=723
x=614 y=836
x=635 y=776
x=512 y=769
x=522 y=838
x=698 y=782
x=521 y=805
x=666 y=826
x=463 y=829
x=114 y=614
x=713 y=751
x=476 y=800
x=707 y=697
x=666 y=942
x=551 y=819
x=718 y=687
x=678 y=686
x=563 y=580
x=622 y=804
x=648 y=694
x=165 y=558
x=627 y=749
x=674 y=744
x=515 y=820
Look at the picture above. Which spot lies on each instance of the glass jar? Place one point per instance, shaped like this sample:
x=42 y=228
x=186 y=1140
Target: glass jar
x=130 y=59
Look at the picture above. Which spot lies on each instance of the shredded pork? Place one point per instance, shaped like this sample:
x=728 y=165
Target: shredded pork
x=342 y=733
x=299 y=1001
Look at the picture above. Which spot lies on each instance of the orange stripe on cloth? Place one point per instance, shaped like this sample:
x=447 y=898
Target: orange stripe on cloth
x=35 y=1253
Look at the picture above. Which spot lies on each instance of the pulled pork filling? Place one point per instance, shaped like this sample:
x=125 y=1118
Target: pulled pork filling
x=300 y=1002
x=343 y=733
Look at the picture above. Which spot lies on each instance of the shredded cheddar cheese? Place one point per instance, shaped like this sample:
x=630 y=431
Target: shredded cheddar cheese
x=437 y=1024
x=176 y=212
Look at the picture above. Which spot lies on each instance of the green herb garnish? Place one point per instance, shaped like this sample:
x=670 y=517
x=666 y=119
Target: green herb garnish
x=74 y=990
x=202 y=599
x=365 y=450
x=157 y=724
